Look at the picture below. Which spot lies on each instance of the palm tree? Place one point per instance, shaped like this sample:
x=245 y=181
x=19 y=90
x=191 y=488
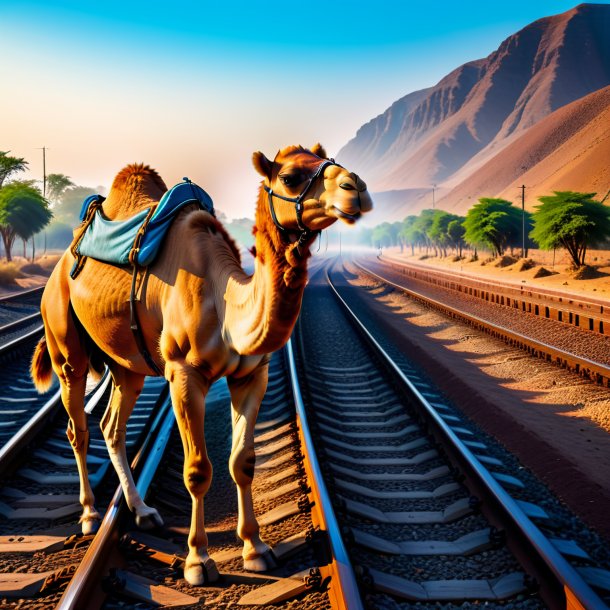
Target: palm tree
x=56 y=185
x=10 y=165
x=23 y=213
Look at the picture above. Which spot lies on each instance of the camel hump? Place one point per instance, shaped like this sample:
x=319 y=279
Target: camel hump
x=135 y=187
x=136 y=175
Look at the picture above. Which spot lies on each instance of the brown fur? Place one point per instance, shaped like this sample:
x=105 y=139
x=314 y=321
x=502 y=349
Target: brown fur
x=135 y=174
x=41 y=368
x=202 y=220
x=202 y=317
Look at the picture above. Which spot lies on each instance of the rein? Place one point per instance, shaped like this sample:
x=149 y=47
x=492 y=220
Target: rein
x=304 y=234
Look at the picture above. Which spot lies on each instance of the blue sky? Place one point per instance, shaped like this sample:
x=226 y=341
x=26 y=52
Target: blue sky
x=197 y=87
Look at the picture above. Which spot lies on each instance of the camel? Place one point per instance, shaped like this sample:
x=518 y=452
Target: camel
x=202 y=317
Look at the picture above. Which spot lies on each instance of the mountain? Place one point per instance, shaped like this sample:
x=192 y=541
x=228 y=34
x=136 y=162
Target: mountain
x=443 y=134
x=567 y=150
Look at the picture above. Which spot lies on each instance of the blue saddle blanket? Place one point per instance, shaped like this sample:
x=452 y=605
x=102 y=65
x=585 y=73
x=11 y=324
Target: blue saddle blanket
x=112 y=241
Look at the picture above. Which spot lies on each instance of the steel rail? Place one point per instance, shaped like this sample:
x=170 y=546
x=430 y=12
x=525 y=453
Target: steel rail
x=343 y=588
x=596 y=371
x=20 y=342
x=22 y=438
x=15 y=324
x=560 y=584
x=19 y=295
x=83 y=591
x=579 y=302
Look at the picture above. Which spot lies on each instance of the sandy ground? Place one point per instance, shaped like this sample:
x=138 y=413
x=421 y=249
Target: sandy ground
x=555 y=422
x=37 y=274
x=563 y=279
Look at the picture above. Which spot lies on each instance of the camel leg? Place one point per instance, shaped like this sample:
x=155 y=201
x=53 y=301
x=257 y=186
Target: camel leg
x=70 y=363
x=126 y=387
x=246 y=396
x=73 y=397
x=188 y=390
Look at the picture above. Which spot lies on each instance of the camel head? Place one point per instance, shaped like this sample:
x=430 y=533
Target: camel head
x=307 y=190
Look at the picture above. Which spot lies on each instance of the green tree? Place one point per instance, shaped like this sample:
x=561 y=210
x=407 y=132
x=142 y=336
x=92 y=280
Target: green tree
x=494 y=224
x=438 y=232
x=456 y=232
x=395 y=229
x=423 y=224
x=56 y=186
x=382 y=235
x=570 y=220
x=69 y=205
x=410 y=234
x=23 y=212
x=10 y=165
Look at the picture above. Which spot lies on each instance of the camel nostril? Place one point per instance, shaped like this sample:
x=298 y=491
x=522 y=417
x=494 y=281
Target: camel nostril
x=347 y=187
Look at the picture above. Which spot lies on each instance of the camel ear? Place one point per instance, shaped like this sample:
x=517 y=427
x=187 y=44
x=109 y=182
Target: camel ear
x=318 y=149
x=261 y=164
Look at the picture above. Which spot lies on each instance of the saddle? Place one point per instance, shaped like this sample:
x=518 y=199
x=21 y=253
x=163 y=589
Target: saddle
x=135 y=241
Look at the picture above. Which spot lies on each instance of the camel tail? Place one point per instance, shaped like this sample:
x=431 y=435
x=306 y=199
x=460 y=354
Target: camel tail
x=41 y=368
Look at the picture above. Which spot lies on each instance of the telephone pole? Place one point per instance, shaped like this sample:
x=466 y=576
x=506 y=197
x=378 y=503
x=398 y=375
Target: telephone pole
x=44 y=171
x=522 y=187
x=433 y=202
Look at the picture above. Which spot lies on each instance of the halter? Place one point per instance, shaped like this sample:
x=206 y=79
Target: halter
x=304 y=233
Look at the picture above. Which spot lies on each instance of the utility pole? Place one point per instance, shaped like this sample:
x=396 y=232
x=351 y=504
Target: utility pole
x=522 y=187
x=44 y=171
x=433 y=202
x=44 y=194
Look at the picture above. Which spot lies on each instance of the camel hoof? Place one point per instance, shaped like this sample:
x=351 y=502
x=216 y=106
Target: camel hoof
x=90 y=525
x=202 y=573
x=149 y=520
x=261 y=563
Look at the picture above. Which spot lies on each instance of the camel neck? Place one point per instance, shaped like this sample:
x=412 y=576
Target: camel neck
x=261 y=310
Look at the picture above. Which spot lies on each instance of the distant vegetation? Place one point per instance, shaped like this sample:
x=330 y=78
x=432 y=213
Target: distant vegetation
x=23 y=209
x=566 y=219
x=24 y=212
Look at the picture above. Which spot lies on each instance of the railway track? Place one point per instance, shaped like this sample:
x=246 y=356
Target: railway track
x=423 y=511
x=588 y=367
x=429 y=514
x=583 y=312
x=46 y=563
x=19 y=314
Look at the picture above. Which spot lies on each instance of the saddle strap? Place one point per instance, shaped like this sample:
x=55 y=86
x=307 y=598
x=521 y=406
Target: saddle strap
x=136 y=328
x=95 y=203
x=135 y=248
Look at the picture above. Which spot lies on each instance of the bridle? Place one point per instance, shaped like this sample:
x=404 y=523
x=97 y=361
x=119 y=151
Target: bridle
x=304 y=233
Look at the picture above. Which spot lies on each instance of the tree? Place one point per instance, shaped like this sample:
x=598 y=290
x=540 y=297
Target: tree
x=570 y=220
x=410 y=234
x=10 y=165
x=23 y=212
x=56 y=185
x=423 y=224
x=68 y=207
x=438 y=232
x=495 y=224
x=456 y=232
x=382 y=235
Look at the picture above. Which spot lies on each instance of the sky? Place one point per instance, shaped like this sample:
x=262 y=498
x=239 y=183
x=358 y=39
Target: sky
x=194 y=88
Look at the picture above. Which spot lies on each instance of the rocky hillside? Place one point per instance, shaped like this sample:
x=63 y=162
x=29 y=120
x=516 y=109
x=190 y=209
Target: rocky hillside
x=443 y=134
x=568 y=150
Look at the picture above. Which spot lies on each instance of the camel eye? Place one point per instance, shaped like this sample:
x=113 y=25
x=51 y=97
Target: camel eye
x=291 y=179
